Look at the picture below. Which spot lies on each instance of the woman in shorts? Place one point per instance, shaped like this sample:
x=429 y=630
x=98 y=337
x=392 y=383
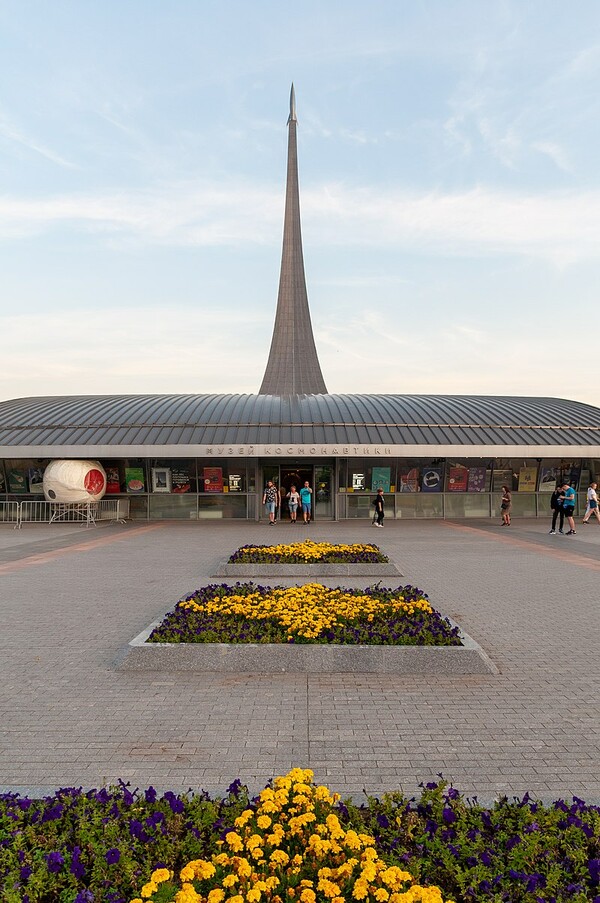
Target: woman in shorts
x=293 y=502
x=505 y=506
x=592 y=504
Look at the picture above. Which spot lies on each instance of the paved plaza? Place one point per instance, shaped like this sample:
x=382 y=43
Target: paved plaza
x=72 y=597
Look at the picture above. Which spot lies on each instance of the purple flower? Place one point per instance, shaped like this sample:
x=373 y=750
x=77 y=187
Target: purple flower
x=54 y=861
x=112 y=856
x=176 y=804
x=150 y=795
x=54 y=813
x=25 y=873
x=77 y=867
x=594 y=870
x=84 y=896
x=449 y=815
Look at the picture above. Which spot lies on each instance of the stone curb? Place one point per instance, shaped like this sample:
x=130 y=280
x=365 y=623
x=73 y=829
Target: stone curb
x=271 y=658
x=316 y=570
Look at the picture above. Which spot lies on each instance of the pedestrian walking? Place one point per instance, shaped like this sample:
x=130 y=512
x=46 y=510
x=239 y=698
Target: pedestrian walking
x=592 y=504
x=271 y=500
x=379 y=503
x=506 y=506
x=306 y=500
x=568 y=494
x=293 y=498
x=558 y=512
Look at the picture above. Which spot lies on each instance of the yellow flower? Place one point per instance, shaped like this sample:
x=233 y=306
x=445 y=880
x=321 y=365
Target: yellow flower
x=230 y=880
x=235 y=841
x=216 y=895
x=279 y=857
x=263 y=821
x=308 y=896
x=148 y=889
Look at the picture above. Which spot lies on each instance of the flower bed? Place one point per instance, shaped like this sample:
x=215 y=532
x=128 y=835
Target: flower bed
x=105 y=846
x=309 y=552
x=247 y=613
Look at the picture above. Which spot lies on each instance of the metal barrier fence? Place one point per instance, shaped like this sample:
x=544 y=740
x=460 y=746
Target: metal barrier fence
x=43 y=512
x=9 y=514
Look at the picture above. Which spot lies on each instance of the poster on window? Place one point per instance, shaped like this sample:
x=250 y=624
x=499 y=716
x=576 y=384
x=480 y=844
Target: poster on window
x=213 y=479
x=549 y=477
x=358 y=482
x=180 y=479
x=409 y=480
x=380 y=479
x=35 y=477
x=134 y=479
x=16 y=481
x=527 y=479
x=235 y=482
x=161 y=479
x=476 y=479
x=113 y=481
x=457 y=479
x=432 y=479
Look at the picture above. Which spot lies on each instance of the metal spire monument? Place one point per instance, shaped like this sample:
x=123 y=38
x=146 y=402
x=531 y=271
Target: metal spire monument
x=293 y=367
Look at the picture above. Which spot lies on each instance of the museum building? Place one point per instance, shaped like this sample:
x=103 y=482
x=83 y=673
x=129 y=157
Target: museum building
x=209 y=456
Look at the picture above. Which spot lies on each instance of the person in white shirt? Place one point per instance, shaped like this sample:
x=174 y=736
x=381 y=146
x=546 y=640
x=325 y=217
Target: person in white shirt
x=592 y=504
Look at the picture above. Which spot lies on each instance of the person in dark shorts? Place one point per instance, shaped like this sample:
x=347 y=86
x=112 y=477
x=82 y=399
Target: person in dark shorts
x=379 y=503
x=556 y=504
x=568 y=494
x=506 y=506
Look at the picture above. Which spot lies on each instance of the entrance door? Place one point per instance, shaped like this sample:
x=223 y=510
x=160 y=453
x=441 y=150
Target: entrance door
x=322 y=491
x=293 y=476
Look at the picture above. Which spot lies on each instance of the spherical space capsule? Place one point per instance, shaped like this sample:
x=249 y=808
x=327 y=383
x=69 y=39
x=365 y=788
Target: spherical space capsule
x=76 y=482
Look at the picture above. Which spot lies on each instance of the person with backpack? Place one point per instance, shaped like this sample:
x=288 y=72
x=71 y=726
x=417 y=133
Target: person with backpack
x=556 y=505
x=379 y=503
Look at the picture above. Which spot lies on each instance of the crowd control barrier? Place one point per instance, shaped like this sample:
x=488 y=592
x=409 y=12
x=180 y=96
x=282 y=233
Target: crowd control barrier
x=42 y=512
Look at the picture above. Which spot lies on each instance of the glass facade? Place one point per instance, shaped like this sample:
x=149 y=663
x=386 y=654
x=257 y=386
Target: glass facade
x=343 y=488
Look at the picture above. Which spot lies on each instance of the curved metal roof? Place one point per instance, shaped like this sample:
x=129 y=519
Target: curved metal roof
x=101 y=421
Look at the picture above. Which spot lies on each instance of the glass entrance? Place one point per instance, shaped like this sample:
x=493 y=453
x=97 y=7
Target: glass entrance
x=286 y=475
x=322 y=491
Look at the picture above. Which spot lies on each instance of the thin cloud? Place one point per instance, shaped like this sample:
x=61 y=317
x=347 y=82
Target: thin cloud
x=562 y=227
x=10 y=132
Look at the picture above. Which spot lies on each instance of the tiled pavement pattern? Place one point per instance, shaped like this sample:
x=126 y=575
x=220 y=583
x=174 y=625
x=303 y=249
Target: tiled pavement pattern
x=70 y=597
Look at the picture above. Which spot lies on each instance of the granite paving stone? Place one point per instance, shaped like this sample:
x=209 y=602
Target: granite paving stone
x=71 y=598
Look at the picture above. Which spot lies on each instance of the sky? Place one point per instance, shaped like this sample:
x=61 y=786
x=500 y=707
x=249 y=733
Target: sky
x=449 y=190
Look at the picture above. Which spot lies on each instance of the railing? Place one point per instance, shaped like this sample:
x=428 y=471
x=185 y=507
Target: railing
x=43 y=512
x=9 y=514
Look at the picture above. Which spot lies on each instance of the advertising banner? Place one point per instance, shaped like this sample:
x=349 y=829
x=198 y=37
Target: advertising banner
x=180 y=479
x=134 y=479
x=409 y=480
x=235 y=482
x=432 y=479
x=549 y=476
x=457 y=479
x=35 y=476
x=476 y=479
x=380 y=479
x=527 y=479
x=16 y=481
x=358 y=482
x=113 y=481
x=213 y=479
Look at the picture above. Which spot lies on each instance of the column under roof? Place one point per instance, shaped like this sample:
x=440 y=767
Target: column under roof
x=293 y=365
